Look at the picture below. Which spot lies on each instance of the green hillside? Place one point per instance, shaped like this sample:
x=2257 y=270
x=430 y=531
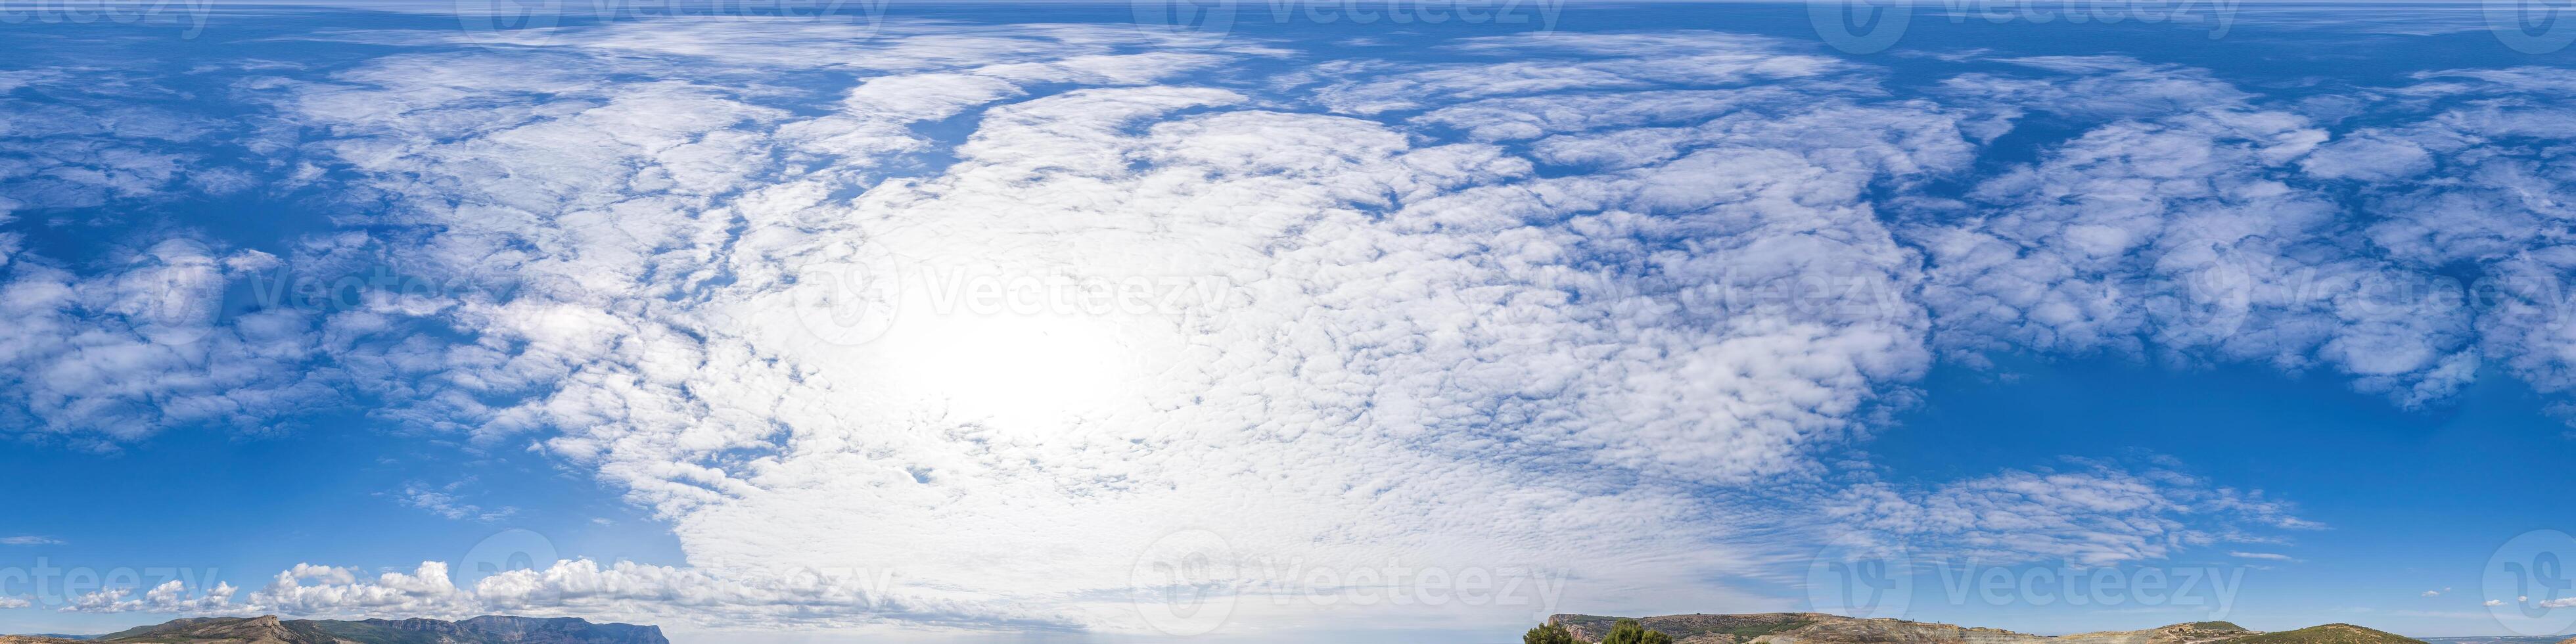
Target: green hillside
x=2328 y=634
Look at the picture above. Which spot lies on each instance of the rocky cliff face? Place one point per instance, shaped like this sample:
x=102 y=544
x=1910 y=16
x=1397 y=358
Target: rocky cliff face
x=494 y=630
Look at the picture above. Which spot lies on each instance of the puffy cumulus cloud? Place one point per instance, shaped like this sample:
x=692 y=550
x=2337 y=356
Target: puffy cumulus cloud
x=1544 y=66
x=14 y=602
x=2473 y=173
x=587 y=588
x=2098 y=87
x=2399 y=235
x=143 y=342
x=339 y=591
x=169 y=597
x=2096 y=514
x=2185 y=234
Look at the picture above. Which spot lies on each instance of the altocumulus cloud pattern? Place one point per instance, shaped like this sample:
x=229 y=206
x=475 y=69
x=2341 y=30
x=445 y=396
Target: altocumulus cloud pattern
x=928 y=294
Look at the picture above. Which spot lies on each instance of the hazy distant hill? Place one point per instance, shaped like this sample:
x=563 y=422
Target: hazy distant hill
x=271 y=630
x=2497 y=639
x=1820 y=628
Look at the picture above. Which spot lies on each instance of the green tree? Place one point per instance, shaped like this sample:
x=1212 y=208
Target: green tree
x=1548 y=634
x=1628 y=631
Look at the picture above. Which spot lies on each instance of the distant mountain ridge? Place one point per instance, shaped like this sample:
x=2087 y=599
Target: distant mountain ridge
x=1823 y=628
x=271 y=630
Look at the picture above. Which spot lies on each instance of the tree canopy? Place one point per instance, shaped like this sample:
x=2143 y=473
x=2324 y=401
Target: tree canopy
x=1548 y=634
x=1628 y=631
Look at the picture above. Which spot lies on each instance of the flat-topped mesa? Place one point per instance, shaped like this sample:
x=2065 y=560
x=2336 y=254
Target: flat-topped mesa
x=1822 y=628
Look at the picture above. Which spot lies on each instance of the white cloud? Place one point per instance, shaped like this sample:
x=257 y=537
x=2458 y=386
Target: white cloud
x=442 y=501
x=29 y=540
x=2268 y=556
x=1659 y=271
x=139 y=346
x=623 y=590
x=2096 y=515
x=1385 y=326
x=14 y=602
x=94 y=137
x=2176 y=235
x=169 y=597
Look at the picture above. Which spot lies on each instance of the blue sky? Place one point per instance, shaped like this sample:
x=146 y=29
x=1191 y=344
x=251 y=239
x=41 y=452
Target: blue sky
x=1002 y=322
